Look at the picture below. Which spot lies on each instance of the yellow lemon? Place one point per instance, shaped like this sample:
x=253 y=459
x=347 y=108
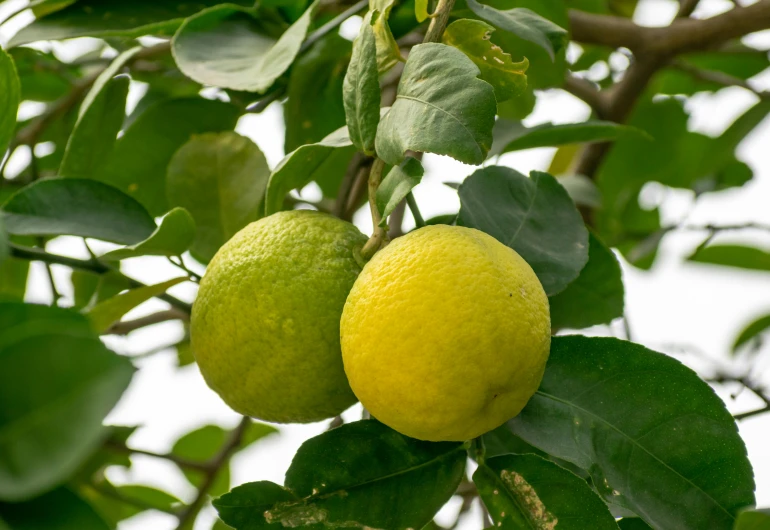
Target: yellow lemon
x=445 y=334
x=265 y=324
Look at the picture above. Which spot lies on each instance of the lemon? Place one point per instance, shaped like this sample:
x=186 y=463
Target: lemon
x=265 y=324
x=445 y=334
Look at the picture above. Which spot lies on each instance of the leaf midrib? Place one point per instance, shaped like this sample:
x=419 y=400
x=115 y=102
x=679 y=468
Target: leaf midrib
x=637 y=444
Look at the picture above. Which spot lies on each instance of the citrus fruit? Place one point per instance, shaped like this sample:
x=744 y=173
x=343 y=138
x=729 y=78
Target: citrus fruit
x=445 y=334
x=265 y=324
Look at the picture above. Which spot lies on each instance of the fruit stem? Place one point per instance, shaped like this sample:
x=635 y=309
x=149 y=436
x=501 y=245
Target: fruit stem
x=379 y=235
x=418 y=220
x=480 y=449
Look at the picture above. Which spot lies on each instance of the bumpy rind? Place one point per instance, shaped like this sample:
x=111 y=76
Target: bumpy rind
x=265 y=324
x=445 y=334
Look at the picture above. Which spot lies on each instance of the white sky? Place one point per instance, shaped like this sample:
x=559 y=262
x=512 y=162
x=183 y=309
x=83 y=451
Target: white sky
x=674 y=304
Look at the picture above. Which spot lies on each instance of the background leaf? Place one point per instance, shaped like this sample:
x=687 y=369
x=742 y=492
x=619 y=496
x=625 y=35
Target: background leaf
x=525 y=24
x=534 y=216
x=223 y=47
x=527 y=491
x=645 y=427
x=396 y=185
x=52 y=418
x=104 y=314
x=361 y=91
x=753 y=520
x=60 y=509
x=220 y=179
x=739 y=256
x=96 y=18
x=596 y=296
x=441 y=107
x=10 y=97
x=173 y=237
x=751 y=331
x=77 y=207
x=326 y=159
x=137 y=164
x=97 y=129
x=473 y=38
x=361 y=473
x=388 y=52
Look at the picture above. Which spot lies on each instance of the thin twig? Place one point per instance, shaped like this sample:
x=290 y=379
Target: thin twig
x=588 y=92
x=379 y=235
x=127 y=326
x=137 y=503
x=720 y=78
x=418 y=219
x=91 y=265
x=439 y=21
x=181 y=265
x=746 y=383
x=181 y=462
x=220 y=460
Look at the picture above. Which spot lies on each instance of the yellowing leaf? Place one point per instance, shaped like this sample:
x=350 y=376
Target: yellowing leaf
x=421 y=10
x=388 y=53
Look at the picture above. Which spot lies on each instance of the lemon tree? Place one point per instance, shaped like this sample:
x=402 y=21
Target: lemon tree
x=453 y=361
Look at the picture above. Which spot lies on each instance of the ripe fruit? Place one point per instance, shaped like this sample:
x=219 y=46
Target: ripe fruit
x=445 y=334
x=265 y=324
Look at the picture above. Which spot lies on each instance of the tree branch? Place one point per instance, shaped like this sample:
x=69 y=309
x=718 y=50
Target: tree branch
x=186 y=517
x=746 y=383
x=181 y=462
x=91 y=265
x=379 y=235
x=588 y=92
x=439 y=21
x=127 y=326
x=720 y=78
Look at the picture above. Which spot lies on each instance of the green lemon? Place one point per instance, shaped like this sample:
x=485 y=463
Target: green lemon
x=445 y=334
x=265 y=324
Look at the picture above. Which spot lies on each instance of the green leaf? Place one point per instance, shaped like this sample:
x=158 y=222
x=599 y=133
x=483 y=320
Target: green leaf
x=223 y=47
x=733 y=256
x=534 y=216
x=173 y=237
x=60 y=509
x=648 y=430
x=315 y=105
x=137 y=164
x=550 y=135
x=441 y=107
x=5 y=250
x=203 y=444
x=596 y=296
x=52 y=417
x=752 y=330
x=361 y=91
x=13 y=279
x=117 y=503
x=10 y=97
x=388 y=52
x=361 y=474
x=633 y=523
x=77 y=207
x=582 y=190
x=753 y=520
x=90 y=289
x=396 y=185
x=527 y=491
x=421 y=10
x=95 y=132
x=43 y=77
x=473 y=38
x=220 y=179
x=104 y=314
x=525 y=24
x=97 y=18
x=306 y=164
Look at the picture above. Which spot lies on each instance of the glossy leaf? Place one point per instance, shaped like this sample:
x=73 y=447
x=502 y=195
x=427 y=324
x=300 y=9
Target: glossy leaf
x=648 y=430
x=77 y=207
x=751 y=331
x=10 y=97
x=534 y=216
x=96 y=130
x=360 y=474
x=96 y=18
x=525 y=24
x=306 y=164
x=388 y=52
x=52 y=417
x=396 y=185
x=315 y=107
x=220 y=179
x=441 y=107
x=361 y=91
x=550 y=135
x=223 y=46
x=739 y=256
x=527 y=491
x=134 y=499
x=60 y=509
x=753 y=520
x=137 y=164
x=173 y=237
x=104 y=314
x=595 y=296
x=473 y=38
